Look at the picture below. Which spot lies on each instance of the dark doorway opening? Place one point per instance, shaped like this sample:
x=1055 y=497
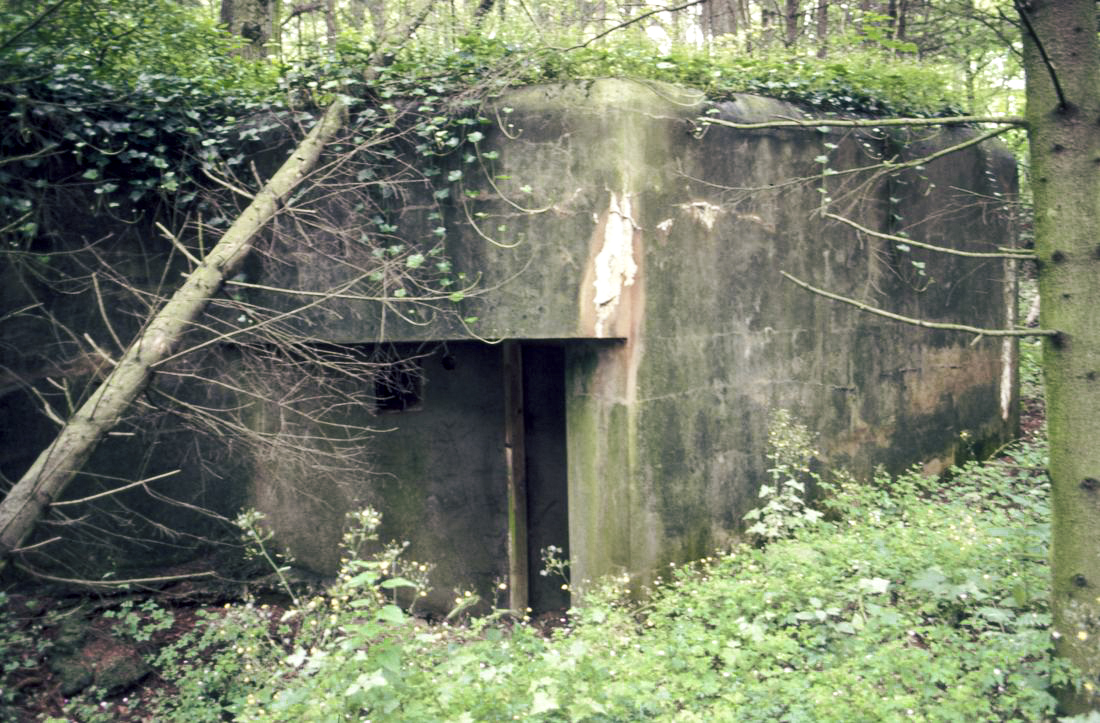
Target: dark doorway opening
x=546 y=471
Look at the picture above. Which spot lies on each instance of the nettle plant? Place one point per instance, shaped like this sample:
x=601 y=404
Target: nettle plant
x=785 y=508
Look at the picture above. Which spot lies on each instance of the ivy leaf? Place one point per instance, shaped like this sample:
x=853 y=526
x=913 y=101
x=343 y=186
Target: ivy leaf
x=415 y=261
x=874 y=585
x=931 y=580
x=543 y=702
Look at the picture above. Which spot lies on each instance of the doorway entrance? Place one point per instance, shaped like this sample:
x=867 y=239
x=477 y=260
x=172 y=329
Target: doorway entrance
x=534 y=374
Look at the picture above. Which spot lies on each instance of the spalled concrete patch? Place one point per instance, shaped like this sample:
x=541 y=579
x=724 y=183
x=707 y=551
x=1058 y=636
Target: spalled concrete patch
x=614 y=264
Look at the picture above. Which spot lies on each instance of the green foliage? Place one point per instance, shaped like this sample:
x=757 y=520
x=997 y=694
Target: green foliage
x=784 y=510
x=1031 y=349
x=23 y=646
x=916 y=597
x=925 y=599
x=860 y=82
x=347 y=643
x=134 y=103
x=257 y=544
x=118 y=99
x=141 y=622
x=120 y=42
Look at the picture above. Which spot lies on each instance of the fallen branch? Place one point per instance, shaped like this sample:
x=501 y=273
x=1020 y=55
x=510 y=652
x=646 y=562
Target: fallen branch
x=63 y=458
x=116 y=490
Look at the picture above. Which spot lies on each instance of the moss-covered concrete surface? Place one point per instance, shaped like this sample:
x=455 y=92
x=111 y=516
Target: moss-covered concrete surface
x=645 y=250
x=615 y=216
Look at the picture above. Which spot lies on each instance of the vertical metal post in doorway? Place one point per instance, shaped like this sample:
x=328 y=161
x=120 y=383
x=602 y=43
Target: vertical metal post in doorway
x=516 y=460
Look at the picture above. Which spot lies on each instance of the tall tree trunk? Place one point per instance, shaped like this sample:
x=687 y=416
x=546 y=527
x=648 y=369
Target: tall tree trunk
x=483 y=8
x=377 y=9
x=901 y=22
x=822 y=28
x=332 y=23
x=768 y=16
x=357 y=12
x=1062 y=62
x=255 y=21
x=719 y=17
x=792 y=15
x=58 y=463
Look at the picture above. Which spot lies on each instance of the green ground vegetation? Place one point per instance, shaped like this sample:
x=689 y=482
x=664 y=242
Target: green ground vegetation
x=911 y=597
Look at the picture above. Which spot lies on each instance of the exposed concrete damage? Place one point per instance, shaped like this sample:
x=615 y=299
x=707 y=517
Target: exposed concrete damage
x=614 y=264
x=648 y=334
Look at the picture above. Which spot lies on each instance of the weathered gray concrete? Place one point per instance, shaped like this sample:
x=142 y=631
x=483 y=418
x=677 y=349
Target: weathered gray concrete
x=669 y=246
x=641 y=277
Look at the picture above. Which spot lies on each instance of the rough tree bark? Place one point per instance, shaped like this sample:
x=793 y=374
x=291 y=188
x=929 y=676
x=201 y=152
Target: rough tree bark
x=58 y=463
x=791 y=17
x=821 y=18
x=1062 y=62
x=256 y=21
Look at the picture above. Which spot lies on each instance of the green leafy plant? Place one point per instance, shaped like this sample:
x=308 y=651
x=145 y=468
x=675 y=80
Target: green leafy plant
x=23 y=646
x=139 y=622
x=785 y=509
x=922 y=597
x=257 y=544
x=554 y=564
x=346 y=641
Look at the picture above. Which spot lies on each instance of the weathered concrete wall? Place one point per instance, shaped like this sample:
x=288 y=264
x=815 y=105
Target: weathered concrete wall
x=640 y=262
x=669 y=244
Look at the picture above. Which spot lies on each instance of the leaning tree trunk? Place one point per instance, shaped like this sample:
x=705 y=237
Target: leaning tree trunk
x=1062 y=61
x=58 y=463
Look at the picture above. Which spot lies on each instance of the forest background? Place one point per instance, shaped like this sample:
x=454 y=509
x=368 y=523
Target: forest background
x=170 y=82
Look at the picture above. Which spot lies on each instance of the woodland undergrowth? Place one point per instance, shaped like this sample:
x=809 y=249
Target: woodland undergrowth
x=912 y=596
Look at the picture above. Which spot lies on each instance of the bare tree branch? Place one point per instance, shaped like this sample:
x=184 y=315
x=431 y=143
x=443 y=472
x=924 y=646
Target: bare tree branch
x=1021 y=8
x=630 y=22
x=1021 y=254
x=8 y=42
x=116 y=490
x=918 y=322
x=1007 y=120
x=107 y=584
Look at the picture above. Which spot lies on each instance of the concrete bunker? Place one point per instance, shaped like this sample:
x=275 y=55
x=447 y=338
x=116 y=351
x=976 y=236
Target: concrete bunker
x=634 y=332
x=643 y=334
